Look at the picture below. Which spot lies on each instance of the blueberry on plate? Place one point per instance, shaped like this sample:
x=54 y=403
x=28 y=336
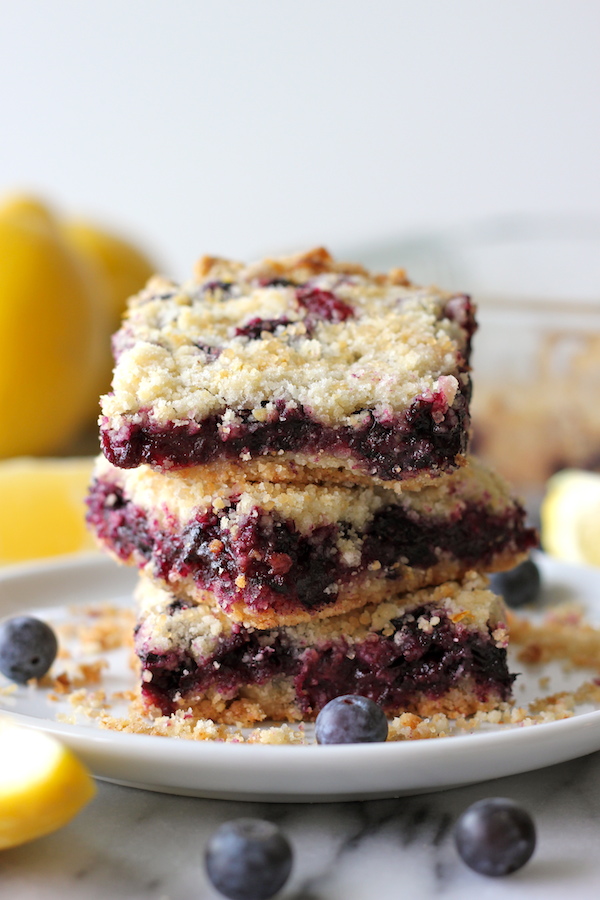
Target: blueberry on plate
x=351 y=719
x=518 y=586
x=28 y=648
x=248 y=859
x=495 y=836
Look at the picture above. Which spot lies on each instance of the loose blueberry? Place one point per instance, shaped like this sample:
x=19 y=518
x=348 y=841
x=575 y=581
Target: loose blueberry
x=520 y=585
x=495 y=836
x=28 y=648
x=351 y=720
x=248 y=859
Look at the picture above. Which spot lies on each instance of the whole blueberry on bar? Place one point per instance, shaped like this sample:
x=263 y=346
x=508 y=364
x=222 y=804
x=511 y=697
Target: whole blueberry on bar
x=495 y=836
x=351 y=719
x=518 y=586
x=28 y=648
x=248 y=859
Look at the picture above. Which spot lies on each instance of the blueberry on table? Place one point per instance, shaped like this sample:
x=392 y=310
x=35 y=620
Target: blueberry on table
x=351 y=719
x=28 y=648
x=518 y=586
x=495 y=836
x=248 y=859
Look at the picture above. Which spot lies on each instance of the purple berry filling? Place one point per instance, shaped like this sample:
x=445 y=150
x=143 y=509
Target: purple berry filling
x=224 y=286
x=428 y=437
x=285 y=570
x=393 y=671
x=209 y=351
x=323 y=304
x=460 y=309
x=256 y=326
x=276 y=282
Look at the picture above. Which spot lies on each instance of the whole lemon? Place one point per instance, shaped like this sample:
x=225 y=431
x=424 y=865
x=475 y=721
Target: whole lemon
x=53 y=330
x=26 y=205
x=125 y=267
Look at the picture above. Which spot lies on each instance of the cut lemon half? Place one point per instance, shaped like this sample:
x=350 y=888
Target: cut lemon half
x=42 y=510
x=43 y=785
x=570 y=517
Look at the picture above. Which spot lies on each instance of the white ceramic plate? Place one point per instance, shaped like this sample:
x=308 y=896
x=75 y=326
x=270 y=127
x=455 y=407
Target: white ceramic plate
x=304 y=773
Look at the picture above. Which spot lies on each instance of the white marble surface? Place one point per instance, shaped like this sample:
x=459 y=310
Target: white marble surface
x=136 y=844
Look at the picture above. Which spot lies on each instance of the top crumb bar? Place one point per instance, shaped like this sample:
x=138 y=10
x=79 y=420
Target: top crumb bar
x=301 y=361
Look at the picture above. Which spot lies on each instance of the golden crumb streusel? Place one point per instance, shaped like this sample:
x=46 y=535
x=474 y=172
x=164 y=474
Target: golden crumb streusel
x=174 y=498
x=184 y=354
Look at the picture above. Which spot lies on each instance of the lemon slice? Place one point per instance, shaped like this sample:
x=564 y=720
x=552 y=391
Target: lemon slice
x=42 y=511
x=570 y=517
x=43 y=785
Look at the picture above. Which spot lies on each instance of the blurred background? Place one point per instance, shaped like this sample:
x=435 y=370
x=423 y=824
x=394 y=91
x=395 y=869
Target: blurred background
x=232 y=128
x=460 y=140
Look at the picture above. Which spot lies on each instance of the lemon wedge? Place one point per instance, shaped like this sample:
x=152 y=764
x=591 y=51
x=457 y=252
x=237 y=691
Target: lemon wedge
x=43 y=785
x=42 y=511
x=570 y=516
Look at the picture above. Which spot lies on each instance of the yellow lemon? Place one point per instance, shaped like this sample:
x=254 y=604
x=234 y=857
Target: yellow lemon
x=43 y=785
x=53 y=332
x=42 y=507
x=125 y=266
x=570 y=516
x=24 y=205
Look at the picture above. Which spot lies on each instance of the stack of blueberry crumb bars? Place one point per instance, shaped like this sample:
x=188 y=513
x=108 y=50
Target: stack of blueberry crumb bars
x=285 y=460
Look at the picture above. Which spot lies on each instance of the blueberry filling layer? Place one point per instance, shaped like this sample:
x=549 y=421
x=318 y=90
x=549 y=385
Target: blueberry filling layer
x=257 y=326
x=271 y=565
x=323 y=304
x=429 y=436
x=394 y=670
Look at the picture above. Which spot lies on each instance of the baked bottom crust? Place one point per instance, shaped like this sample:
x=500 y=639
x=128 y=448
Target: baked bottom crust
x=437 y=650
x=275 y=554
x=302 y=469
x=367 y=371
x=276 y=702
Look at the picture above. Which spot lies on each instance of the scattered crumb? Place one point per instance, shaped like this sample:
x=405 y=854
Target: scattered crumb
x=410 y=727
x=281 y=734
x=562 y=635
x=82 y=675
x=98 y=629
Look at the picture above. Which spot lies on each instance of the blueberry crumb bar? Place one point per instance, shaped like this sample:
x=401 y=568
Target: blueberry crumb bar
x=441 y=650
x=286 y=461
x=283 y=553
x=301 y=362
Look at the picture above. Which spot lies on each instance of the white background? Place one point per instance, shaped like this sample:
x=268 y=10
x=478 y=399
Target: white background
x=238 y=127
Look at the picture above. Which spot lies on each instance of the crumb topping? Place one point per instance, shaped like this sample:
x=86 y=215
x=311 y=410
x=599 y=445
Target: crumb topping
x=199 y=627
x=177 y=497
x=304 y=332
